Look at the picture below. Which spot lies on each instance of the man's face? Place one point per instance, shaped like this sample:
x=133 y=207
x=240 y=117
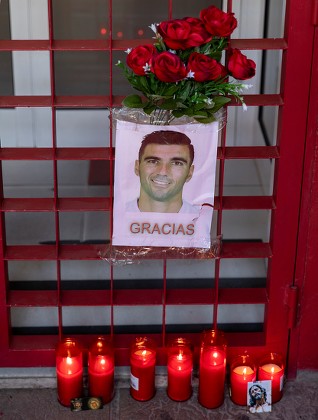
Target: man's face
x=256 y=392
x=163 y=170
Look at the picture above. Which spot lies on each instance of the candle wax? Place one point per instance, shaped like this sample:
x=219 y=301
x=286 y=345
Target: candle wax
x=275 y=373
x=179 y=377
x=142 y=378
x=69 y=373
x=240 y=376
x=212 y=378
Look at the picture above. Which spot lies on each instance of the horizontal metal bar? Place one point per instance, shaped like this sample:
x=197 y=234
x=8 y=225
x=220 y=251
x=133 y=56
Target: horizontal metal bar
x=121 y=45
x=106 y=153
x=103 y=251
x=62 y=153
x=65 y=204
x=104 y=102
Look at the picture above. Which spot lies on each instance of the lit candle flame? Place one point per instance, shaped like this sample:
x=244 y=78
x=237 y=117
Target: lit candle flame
x=69 y=360
x=244 y=371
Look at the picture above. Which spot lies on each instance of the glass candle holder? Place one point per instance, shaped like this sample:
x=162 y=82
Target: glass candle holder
x=272 y=367
x=101 y=369
x=242 y=371
x=69 y=370
x=179 y=366
x=212 y=369
x=142 y=368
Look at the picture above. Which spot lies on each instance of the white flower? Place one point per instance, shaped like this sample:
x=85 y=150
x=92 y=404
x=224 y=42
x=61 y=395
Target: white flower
x=153 y=27
x=173 y=51
x=244 y=106
x=128 y=50
x=190 y=75
x=208 y=101
x=118 y=62
x=146 y=67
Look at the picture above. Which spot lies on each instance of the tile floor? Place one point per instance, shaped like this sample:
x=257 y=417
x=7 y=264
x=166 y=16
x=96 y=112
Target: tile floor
x=299 y=402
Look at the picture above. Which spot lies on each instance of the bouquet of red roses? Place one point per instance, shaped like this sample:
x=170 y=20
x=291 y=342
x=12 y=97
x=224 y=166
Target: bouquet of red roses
x=181 y=73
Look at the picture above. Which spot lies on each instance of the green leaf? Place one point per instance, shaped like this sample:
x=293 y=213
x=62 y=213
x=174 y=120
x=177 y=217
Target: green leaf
x=206 y=120
x=221 y=100
x=178 y=113
x=133 y=101
x=149 y=108
x=200 y=114
x=169 y=104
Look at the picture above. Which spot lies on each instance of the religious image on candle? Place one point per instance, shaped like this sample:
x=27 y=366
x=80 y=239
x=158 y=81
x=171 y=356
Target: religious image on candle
x=259 y=397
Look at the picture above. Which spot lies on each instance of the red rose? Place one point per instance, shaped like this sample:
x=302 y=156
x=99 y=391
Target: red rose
x=239 y=65
x=198 y=35
x=168 y=67
x=180 y=34
x=175 y=33
x=140 y=57
x=205 y=68
x=217 y=22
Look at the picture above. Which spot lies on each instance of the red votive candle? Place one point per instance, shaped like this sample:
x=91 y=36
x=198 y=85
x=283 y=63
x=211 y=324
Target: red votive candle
x=272 y=367
x=142 y=369
x=179 y=368
x=242 y=371
x=69 y=371
x=212 y=369
x=101 y=369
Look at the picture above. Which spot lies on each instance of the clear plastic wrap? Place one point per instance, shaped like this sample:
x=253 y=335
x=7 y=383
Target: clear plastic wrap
x=160 y=117
x=126 y=255
x=157 y=244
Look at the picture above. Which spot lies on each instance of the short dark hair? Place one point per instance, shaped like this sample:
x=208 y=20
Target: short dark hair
x=166 y=137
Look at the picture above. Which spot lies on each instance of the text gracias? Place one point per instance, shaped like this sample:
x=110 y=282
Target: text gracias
x=164 y=229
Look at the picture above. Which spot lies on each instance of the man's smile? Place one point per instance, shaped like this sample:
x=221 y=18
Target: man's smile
x=161 y=181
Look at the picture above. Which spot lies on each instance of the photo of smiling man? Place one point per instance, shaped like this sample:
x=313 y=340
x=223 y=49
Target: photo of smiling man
x=164 y=184
x=164 y=165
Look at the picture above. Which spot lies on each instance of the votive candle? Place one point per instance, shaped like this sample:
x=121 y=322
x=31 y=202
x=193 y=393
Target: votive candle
x=69 y=371
x=142 y=369
x=101 y=369
x=271 y=367
x=212 y=369
x=179 y=366
x=242 y=371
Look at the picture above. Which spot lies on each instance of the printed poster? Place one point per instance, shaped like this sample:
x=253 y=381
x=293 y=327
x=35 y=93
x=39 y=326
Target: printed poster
x=164 y=184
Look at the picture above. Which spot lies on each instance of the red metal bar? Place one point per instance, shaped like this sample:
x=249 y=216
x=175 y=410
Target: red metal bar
x=122 y=45
x=288 y=169
x=302 y=338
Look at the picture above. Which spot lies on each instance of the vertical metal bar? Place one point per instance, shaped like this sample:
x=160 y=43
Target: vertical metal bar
x=220 y=211
x=164 y=303
x=55 y=171
x=5 y=315
x=111 y=162
x=170 y=8
x=315 y=12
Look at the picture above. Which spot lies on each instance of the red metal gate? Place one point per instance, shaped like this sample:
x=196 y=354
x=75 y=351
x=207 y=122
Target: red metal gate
x=35 y=346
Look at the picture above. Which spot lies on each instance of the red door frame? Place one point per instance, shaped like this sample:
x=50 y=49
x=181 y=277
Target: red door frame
x=304 y=337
